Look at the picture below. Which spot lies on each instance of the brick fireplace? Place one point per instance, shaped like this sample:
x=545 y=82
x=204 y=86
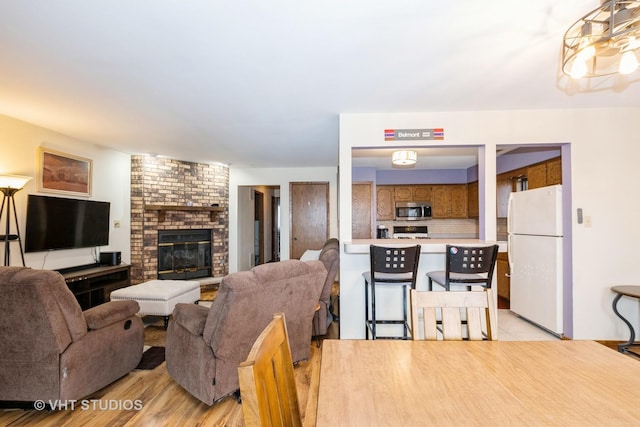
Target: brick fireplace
x=184 y=254
x=176 y=197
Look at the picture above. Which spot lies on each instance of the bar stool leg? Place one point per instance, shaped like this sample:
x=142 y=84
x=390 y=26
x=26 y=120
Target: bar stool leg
x=373 y=310
x=405 y=326
x=366 y=310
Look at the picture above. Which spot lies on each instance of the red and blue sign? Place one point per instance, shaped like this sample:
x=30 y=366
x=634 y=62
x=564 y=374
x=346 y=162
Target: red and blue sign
x=413 y=134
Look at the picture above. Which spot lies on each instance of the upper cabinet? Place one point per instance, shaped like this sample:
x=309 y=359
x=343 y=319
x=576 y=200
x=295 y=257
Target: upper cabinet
x=537 y=175
x=504 y=186
x=545 y=173
x=449 y=201
x=473 y=200
x=385 y=202
x=413 y=193
x=554 y=171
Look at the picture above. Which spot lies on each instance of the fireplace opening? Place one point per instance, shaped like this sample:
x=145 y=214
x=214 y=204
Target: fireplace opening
x=184 y=254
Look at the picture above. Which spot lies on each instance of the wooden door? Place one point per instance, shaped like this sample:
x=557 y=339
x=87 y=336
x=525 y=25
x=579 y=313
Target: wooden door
x=361 y=208
x=309 y=203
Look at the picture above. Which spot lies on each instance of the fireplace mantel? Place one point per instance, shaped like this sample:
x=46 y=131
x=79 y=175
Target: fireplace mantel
x=162 y=209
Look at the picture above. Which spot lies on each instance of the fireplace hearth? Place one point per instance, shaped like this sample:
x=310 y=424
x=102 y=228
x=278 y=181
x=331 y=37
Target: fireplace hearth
x=184 y=254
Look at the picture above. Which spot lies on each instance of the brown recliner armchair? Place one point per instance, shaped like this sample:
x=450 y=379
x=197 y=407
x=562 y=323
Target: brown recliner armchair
x=330 y=257
x=205 y=345
x=50 y=349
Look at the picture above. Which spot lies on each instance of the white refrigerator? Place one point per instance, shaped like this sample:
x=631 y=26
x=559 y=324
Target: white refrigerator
x=535 y=250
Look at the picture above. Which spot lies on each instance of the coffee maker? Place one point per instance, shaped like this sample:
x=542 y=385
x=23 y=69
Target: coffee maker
x=383 y=232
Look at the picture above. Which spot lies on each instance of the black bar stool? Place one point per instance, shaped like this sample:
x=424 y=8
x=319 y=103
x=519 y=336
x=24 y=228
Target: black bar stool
x=394 y=266
x=466 y=265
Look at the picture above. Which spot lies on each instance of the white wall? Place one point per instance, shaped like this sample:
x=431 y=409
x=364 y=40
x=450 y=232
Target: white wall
x=111 y=178
x=602 y=176
x=256 y=177
x=245 y=232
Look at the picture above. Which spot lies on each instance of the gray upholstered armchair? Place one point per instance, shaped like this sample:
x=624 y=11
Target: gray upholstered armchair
x=50 y=349
x=330 y=257
x=205 y=345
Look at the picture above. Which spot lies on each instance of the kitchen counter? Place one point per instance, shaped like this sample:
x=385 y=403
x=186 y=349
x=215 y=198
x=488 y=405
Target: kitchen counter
x=431 y=245
x=354 y=261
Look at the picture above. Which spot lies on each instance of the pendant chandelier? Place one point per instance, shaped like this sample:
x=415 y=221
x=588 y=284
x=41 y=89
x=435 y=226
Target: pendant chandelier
x=604 y=41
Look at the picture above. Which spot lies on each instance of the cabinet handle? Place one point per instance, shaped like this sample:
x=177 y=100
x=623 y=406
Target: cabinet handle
x=507 y=275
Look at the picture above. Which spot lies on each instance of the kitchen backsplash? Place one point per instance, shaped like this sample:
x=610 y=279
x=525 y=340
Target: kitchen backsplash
x=440 y=226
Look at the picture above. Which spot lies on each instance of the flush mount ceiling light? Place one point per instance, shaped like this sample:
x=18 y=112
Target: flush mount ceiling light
x=404 y=158
x=604 y=41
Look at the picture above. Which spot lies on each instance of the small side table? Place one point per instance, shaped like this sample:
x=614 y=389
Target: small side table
x=626 y=291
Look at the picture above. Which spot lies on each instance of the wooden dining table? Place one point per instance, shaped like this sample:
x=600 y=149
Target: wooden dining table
x=422 y=383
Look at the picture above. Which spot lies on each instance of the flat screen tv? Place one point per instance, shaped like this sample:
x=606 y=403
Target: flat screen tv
x=61 y=223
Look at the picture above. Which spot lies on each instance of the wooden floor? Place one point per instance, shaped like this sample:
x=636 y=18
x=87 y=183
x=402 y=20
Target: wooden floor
x=162 y=401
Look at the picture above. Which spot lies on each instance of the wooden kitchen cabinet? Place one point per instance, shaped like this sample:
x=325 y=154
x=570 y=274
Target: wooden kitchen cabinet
x=403 y=193
x=473 y=200
x=545 y=173
x=385 y=203
x=554 y=171
x=504 y=187
x=537 y=175
x=422 y=193
x=412 y=193
x=504 y=282
x=449 y=201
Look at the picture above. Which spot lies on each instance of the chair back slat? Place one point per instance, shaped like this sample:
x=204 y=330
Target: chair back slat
x=267 y=380
x=451 y=323
x=454 y=315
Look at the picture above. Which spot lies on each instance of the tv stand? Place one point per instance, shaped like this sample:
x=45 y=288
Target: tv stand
x=92 y=284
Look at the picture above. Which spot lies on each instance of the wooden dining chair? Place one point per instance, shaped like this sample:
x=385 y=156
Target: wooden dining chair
x=267 y=381
x=454 y=315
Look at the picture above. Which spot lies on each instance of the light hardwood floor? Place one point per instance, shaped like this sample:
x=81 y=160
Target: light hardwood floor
x=164 y=403
x=161 y=400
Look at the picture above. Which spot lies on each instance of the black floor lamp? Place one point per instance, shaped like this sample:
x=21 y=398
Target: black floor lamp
x=10 y=185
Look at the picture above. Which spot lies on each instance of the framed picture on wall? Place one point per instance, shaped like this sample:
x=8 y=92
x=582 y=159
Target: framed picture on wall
x=64 y=173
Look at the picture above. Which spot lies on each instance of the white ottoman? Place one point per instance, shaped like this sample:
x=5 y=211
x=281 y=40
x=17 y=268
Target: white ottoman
x=159 y=297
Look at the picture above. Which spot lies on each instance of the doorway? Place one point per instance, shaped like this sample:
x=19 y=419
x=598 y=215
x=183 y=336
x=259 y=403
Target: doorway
x=257 y=226
x=275 y=230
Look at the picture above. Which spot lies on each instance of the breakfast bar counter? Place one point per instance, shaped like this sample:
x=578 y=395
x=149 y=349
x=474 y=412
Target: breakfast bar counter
x=354 y=260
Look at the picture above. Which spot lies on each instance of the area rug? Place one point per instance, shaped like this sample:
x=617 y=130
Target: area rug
x=151 y=358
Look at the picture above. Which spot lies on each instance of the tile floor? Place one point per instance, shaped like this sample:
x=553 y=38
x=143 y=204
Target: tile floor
x=511 y=327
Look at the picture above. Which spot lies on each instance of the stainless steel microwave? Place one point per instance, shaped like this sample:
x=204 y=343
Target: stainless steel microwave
x=413 y=211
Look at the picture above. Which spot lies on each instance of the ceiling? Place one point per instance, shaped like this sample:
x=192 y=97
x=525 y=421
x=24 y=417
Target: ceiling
x=253 y=83
x=428 y=158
